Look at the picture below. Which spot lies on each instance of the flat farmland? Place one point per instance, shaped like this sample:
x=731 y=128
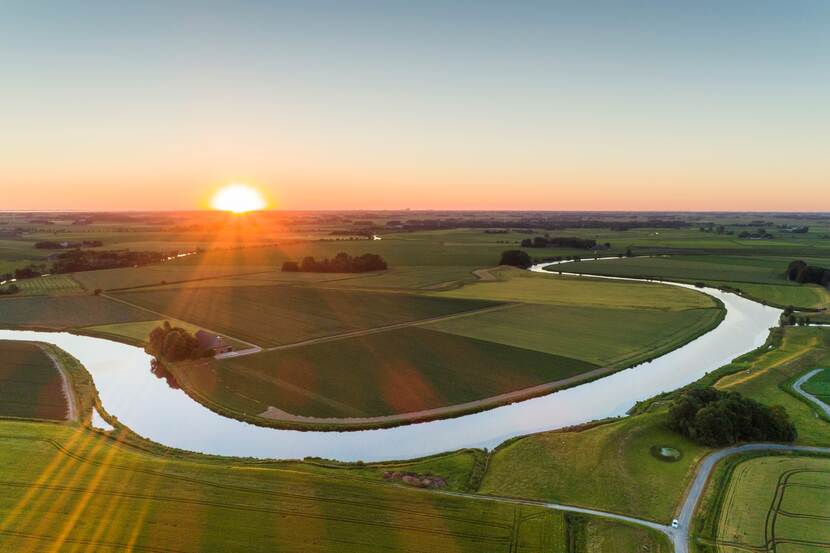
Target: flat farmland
x=524 y=286
x=588 y=333
x=30 y=385
x=59 y=483
x=776 y=503
x=394 y=372
x=49 y=285
x=67 y=311
x=273 y=315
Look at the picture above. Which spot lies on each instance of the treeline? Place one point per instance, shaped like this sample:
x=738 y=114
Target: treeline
x=799 y=271
x=52 y=245
x=564 y=242
x=173 y=343
x=341 y=263
x=545 y=223
x=714 y=418
x=75 y=261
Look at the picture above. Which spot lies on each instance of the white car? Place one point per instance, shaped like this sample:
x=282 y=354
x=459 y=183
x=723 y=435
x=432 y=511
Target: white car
x=675 y=523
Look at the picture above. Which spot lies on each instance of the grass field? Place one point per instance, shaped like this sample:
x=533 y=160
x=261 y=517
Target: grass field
x=588 y=333
x=67 y=311
x=609 y=467
x=30 y=385
x=819 y=386
x=273 y=315
x=758 y=277
x=599 y=535
x=523 y=286
x=60 y=484
x=774 y=503
x=398 y=371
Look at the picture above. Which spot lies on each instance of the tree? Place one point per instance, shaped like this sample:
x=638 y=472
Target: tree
x=515 y=258
x=290 y=267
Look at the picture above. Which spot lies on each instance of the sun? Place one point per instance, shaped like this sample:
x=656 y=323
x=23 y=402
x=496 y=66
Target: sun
x=238 y=198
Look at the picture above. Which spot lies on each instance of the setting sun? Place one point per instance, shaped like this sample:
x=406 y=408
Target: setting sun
x=238 y=198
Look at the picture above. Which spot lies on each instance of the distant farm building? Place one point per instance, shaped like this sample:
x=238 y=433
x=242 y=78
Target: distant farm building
x=212 y=342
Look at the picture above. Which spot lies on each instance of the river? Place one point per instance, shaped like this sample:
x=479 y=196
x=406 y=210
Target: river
x=145 y=403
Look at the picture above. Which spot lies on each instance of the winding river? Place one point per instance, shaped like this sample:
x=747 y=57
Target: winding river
x=145 y=403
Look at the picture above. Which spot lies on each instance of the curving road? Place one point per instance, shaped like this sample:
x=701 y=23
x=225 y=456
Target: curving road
x=807 y=395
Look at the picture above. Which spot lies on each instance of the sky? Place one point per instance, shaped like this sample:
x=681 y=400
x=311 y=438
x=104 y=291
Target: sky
x=422 y=105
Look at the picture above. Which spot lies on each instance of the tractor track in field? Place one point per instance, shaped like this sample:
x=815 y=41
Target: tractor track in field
x=66 y=385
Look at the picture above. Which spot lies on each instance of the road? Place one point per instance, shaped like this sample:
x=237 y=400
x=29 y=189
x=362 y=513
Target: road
x=813 y=399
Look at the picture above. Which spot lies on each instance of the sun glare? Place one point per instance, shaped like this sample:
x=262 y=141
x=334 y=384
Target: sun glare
x=238 y=198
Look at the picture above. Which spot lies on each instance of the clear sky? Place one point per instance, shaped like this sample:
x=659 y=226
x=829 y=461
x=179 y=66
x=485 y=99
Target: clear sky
x=420 y=104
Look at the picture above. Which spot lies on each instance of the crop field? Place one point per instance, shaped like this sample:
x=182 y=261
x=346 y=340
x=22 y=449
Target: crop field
x=588 y=333
x=608 y=467
x=67 y=311
x=49 y=285
x=776 y=504
x=273 y=315
x=523 y=286
x=819 y=386
x=59 y=483
x=398 y=371
x=30 y=385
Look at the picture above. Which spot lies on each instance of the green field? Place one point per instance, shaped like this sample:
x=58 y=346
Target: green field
x=758 y=277
x=524 y=286
x=398 y=371
x=273 y=315
x=600 y=535
x=30 y=385
x=774 y=503
x=139 y=332
x=589 y=333
x=49 y=285
x=608 y=467
x=67 y=311
x=60 y=483
x=819 y=386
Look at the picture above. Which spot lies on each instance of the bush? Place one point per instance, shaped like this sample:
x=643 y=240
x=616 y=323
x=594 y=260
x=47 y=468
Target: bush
x=516 y=258
x=714 y=418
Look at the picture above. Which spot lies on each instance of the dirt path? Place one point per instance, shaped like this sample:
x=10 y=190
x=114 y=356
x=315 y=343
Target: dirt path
x=68 y=391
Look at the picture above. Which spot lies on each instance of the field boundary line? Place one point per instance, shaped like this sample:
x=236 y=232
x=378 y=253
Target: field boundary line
x=66 y=386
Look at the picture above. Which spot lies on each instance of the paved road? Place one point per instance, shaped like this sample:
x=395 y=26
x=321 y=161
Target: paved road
x=813 y=399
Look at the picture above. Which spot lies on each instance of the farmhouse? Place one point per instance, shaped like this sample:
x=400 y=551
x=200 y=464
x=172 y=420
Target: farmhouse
x=212 y=342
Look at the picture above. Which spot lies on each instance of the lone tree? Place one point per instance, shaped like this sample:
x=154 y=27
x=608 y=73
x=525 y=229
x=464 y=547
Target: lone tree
x=516 y=258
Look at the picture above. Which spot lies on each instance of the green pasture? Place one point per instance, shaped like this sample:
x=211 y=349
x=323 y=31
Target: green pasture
x=524 y=286
x=48 y=285
x=398 y=371
x=30 y=385
x=590 y=333
x=602 y=535
x=819 y=386
x=608 y=467
x=272 y=315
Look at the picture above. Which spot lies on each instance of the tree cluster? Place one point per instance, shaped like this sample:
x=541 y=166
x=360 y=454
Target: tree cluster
x=516 y=258
x=563 y=242
x=9 y=290
x=715 y=418
x=341 y=263
x=799 y=271
x=173 y=343
x=52 y=245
